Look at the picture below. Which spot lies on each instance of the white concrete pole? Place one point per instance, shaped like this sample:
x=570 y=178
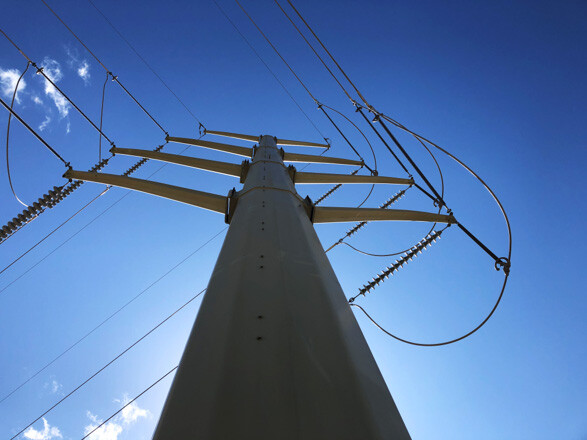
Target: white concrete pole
x=275 y=352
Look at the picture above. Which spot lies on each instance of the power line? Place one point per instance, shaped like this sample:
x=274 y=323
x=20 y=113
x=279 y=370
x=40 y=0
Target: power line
x=277 y=52
x=126 y=173
x=114 y=78
x=102 y=118
x=330 y=55
x=439 y=199
x=313 y=50
x=54 y=230
x=112 y=315
x=8 y=135
x=144 y=61
x=122 y=353
x=297 y=77
x=37 y=135
x=270 y=70
x=130 y=402
x=50 y=81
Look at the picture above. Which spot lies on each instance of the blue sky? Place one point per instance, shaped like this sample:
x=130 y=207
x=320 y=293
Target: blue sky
x=500 y=84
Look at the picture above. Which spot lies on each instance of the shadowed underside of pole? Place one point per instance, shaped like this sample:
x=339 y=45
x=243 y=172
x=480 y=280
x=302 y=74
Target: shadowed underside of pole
x=276 y=352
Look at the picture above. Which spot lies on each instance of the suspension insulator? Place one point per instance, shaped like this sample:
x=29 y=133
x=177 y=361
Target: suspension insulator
x=384 y=205
x=403 y=260
x=334 y=188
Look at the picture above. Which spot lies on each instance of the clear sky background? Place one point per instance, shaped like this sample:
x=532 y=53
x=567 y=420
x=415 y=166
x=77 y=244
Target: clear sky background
x=500 y=84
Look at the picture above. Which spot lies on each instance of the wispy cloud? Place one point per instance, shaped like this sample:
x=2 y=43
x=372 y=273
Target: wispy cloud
x=113 y=428
x=8 y=80
x=52 y=69
x=81 y=66
x=49 y=432
x=53 y=386
x=83 y=71
x=45 y=123
x=37 y=100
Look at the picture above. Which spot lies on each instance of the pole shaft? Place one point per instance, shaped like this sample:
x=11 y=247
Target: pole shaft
x=276 y=352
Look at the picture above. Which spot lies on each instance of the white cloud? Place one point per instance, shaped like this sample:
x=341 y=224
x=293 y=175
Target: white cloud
x=110 y=431
x=68 y=128
x=8 y=80
x=44 y=125
x=83 y=71
x=52 y=69
x=132 y=413
x=113 y=428
x=37 y=100
x=81 y=67
x=53 y=386
x=47 y=433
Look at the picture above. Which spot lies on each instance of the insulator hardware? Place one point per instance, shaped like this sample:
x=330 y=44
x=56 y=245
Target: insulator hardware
x=384 y=205
x=334 y=188
x=53 y=197
x=403 y=260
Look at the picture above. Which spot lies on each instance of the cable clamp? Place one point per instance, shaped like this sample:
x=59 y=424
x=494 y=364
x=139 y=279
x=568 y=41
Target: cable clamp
x=503 y=263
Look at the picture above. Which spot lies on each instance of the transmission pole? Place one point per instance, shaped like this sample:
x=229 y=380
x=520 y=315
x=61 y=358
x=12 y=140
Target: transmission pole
x=275 y=352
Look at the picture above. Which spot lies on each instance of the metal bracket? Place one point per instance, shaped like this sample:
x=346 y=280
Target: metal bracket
x=244 y=170
x=282 y=153
x=309 y=207
x=291 y=170
x=231 y=202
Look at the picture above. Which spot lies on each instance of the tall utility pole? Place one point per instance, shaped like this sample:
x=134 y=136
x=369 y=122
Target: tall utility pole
x=275 y=352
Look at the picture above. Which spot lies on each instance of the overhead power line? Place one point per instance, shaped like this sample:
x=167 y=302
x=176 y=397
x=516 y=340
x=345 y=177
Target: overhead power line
x=318 y=103
x=122 y=353
x=130 y=402
x=28 y=64
x=53 y=231
x=32 y=130
x=270 y=71
x=144 y=61
x=114 y=77
x=109 y=317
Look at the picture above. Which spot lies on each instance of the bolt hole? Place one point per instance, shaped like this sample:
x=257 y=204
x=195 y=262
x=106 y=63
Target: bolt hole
x=260 y=317
x=259 y=338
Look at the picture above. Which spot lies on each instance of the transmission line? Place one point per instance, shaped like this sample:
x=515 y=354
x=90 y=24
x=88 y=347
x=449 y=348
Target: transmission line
x=271 y=71
x=40 y=71
x=37 y=135
x=102 y=118
x=297 y=77
x=126 y=173
x=144 y=61
x=114 y=77
x=54 y=230
x=8 y=136
x=130 y=402
x=112 y=315
x=503 y=262
x=122 y=353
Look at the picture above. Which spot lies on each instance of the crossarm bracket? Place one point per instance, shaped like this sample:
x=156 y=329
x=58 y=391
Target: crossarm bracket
x=340 y=215
x=201 y=199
